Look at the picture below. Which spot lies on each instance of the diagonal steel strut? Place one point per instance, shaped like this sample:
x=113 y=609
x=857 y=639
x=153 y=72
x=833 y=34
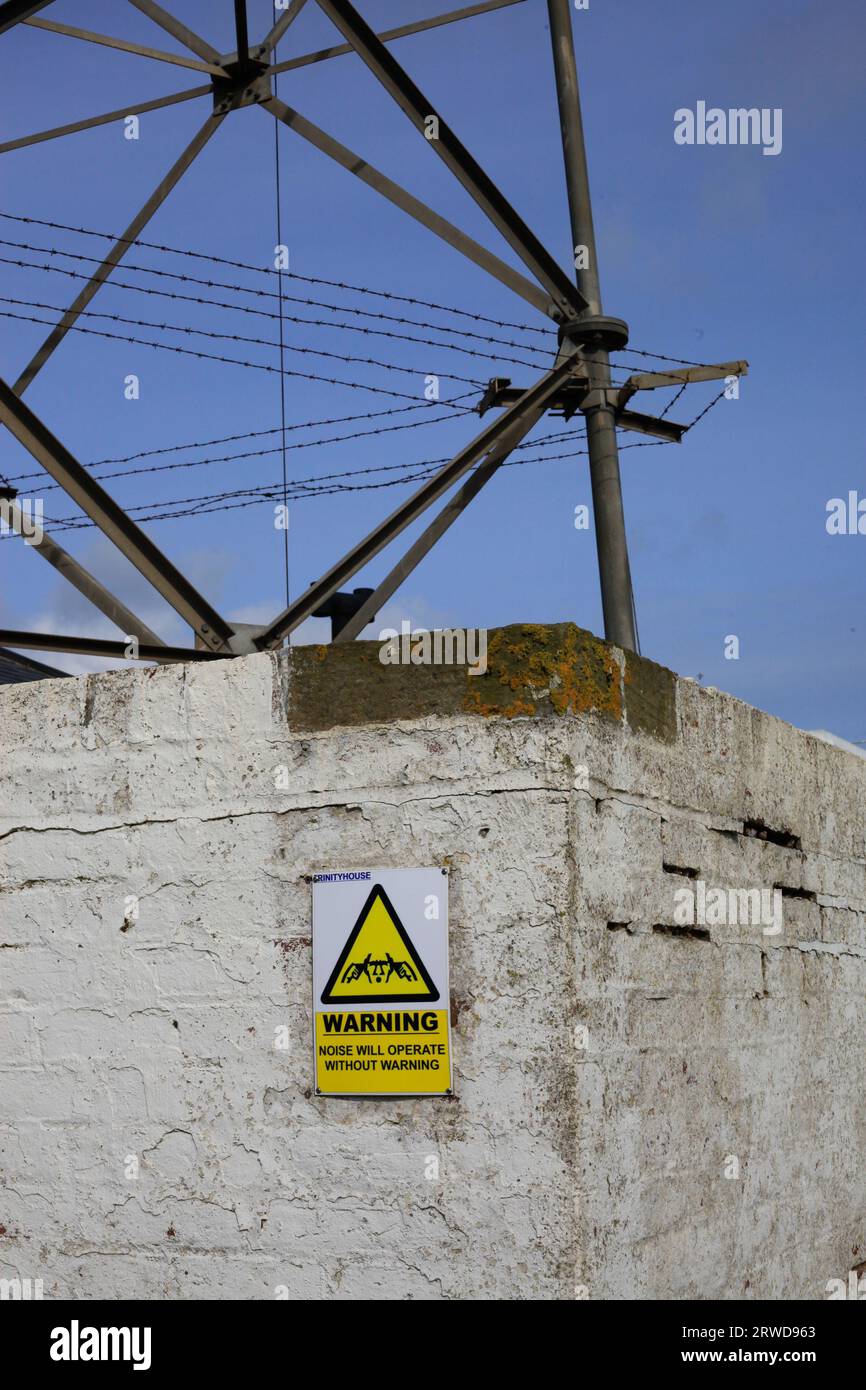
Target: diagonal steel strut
x=408 y=203
x=117 y=252
x=89 y=122
x=288 y=17
x=453 y=509
x=138 y=548
x=242 y=31
x=186 y=36
x=80 y=578
x=123 y=46
x=401 y=32
x=16 y=11
x=429 y=492
x=396 y=81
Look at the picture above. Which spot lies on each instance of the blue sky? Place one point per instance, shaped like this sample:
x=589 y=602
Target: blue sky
x=710 y=253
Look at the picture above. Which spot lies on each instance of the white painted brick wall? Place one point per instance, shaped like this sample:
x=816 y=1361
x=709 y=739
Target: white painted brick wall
x=563 y=1168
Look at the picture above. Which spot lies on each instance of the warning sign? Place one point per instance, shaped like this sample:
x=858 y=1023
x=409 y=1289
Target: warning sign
x=380 y=982
x=379 y=961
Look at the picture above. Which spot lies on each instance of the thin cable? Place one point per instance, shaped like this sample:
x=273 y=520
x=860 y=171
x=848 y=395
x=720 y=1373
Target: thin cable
x=282 y=342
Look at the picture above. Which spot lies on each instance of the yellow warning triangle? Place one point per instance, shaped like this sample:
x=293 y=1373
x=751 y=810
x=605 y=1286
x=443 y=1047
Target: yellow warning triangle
x=378 y=961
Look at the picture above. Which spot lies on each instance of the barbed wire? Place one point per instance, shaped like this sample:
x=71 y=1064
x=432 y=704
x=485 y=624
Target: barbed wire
x=706 y=410
x=248 y=454
x=243 y=289
x=256 y=434
x=312 y=487
x=213 y=357
x=673 y=400
x=260 y=453
x=321 y=485
x=660 y=357
x=210 y=333
x=194 y=507
x=263 y=270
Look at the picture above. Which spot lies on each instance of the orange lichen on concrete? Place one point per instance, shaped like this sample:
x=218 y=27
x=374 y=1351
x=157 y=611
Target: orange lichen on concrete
x=559 y=667
x=529 y=671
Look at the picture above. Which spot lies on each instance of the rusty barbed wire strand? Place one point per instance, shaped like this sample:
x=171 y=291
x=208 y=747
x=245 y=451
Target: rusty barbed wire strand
x=270 y=294
x=80 y=523
x=257 y=434
x=672 y=402
x=190 y=331
x=262 y=270
x=213 y=357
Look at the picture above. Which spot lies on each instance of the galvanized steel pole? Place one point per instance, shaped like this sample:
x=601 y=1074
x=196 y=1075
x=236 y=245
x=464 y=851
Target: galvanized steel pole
x=614 y=572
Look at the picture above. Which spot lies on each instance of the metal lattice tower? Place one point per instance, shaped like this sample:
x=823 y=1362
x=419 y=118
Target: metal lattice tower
x=578 y=380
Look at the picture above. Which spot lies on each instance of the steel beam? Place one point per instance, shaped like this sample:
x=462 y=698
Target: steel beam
x=16 y=11
x=80 y=578
x=401 y=32
x=96 y=646
x=288 y=17
x=407 y=203
x=167 y=21
x=680 y=376
x=109 y=116
x=117 y=252
x=429 y=492
x=396 y=81
x=121 y=44
x=112 y=520
x=650 y=424
x=453 y=509
x=610 y=537
x=242 y=31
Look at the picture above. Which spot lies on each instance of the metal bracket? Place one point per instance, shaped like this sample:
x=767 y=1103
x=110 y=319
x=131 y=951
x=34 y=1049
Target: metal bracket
x=243 y=641
x=248 y=83
x=565 y=403
x=579 y=396
x=608 y=397
x=650 y=424
x=595 y=333
x=680 y=376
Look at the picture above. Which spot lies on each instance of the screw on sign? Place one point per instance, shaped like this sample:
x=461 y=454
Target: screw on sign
x=380 y=968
